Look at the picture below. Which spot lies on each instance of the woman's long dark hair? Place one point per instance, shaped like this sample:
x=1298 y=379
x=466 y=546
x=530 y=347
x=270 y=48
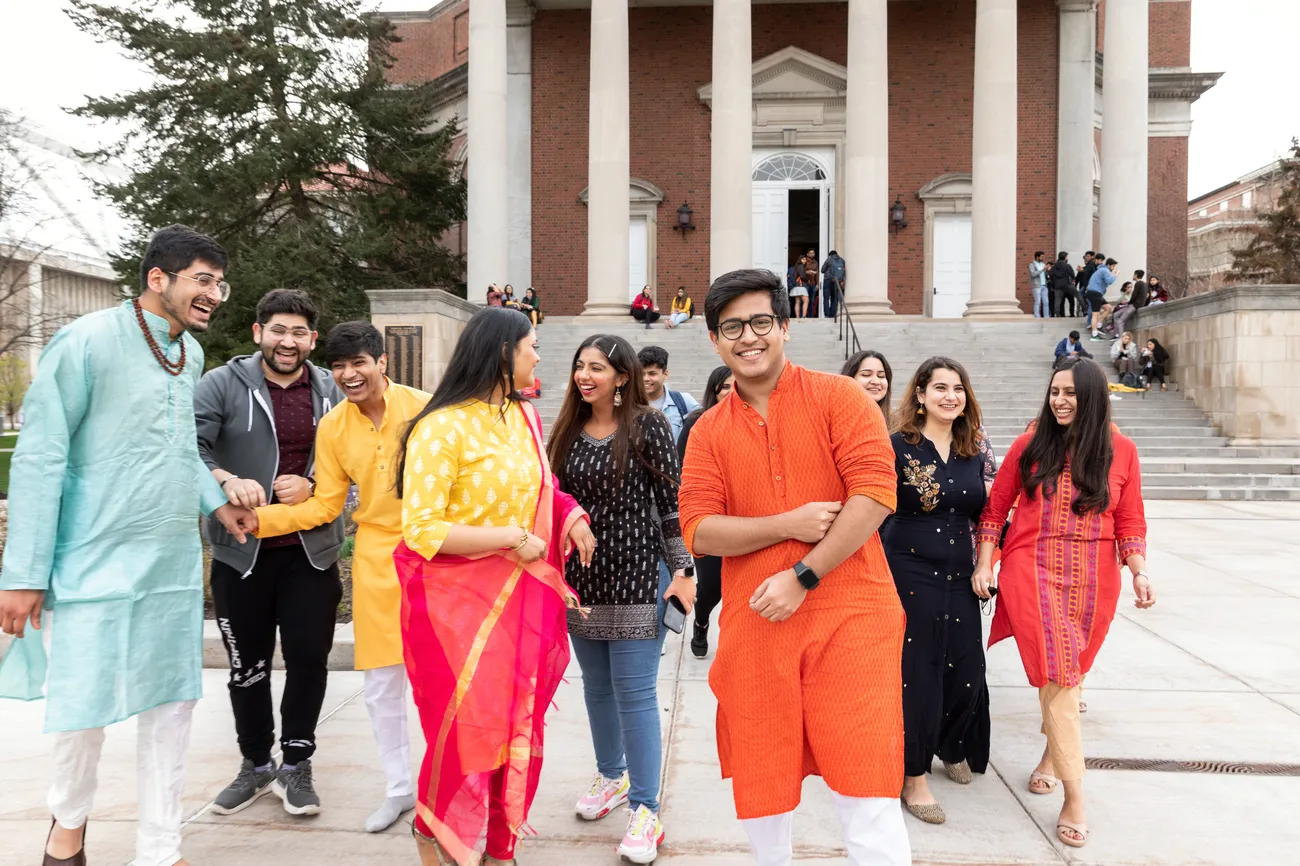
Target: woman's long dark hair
x=965 y=429
x=855 y=360
x=1159 y=353
x=716 y=378
x=482 y=363
x=575 y=411
x=1086 y=441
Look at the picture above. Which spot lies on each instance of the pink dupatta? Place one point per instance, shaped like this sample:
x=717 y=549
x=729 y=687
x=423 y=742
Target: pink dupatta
x=486 y=645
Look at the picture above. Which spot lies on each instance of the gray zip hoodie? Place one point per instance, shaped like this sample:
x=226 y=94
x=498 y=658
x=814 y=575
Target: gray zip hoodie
x=236 y=427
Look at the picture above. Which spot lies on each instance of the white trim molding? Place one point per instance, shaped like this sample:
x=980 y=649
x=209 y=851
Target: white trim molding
x=643 y=199
x=799 y=103
x=947 y=194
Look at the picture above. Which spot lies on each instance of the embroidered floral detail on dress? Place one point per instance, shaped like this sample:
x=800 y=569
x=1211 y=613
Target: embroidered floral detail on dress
x=922 y=478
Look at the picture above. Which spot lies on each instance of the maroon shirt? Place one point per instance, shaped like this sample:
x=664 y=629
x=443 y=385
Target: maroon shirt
x=295 y=433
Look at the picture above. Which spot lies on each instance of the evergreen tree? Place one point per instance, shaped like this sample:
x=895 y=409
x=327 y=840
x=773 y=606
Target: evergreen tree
x=1273 y=255
x=270 y=125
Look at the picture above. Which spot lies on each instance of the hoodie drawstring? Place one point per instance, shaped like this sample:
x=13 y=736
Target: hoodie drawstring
x=250 y=410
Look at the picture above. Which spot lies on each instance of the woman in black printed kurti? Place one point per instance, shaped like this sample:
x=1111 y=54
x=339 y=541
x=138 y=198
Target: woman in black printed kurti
x=944 y=463
x=615 y=455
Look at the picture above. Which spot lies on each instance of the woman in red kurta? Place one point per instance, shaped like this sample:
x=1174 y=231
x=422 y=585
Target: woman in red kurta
x=1079 y=514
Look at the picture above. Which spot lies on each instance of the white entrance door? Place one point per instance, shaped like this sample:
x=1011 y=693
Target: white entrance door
x=638 y=271
x=772 y=229
x=951 y=265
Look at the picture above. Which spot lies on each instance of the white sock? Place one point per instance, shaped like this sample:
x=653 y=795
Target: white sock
x=388 y=813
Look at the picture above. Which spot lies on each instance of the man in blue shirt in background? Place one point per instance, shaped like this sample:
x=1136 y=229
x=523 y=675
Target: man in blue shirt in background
x=675 y=405
x=1101 y=280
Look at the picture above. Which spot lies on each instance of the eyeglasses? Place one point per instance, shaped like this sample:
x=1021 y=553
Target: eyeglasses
x=761 y=325
x=279 y=332
x=207 y=283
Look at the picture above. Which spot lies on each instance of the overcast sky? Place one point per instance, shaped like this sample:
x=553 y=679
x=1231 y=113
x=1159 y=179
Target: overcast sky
x=1247 y=120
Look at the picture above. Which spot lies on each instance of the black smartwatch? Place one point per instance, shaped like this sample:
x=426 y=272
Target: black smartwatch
x=808 y=578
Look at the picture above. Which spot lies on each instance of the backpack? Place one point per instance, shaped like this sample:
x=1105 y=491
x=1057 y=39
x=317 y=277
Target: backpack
x=837 y=269
x=1130 y=380
x=680 y=403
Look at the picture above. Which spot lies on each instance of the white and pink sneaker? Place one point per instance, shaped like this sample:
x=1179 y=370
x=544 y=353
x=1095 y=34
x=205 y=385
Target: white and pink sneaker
x=643 y=837
x=605 y=796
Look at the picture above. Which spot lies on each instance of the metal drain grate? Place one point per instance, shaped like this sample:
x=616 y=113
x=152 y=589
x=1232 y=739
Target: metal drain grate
x=1153 y=765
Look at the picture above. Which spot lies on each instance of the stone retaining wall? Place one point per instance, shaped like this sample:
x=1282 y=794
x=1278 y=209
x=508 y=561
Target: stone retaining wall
x=1236 y=353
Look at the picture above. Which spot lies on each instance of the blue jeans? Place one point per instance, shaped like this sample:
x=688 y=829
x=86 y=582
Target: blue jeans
x=679 y=318
x=1041 y=306
x=830 y=298
x=620 y=685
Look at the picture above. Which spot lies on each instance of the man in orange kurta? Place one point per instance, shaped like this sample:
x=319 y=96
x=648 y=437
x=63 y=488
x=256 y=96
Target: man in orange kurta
x=788 y=479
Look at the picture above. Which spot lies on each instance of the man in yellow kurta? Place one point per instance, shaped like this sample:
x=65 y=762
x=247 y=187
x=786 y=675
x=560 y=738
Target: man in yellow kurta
x=358 y=442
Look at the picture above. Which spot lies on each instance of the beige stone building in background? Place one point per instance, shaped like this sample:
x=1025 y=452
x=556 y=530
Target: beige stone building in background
x=1219 y=223
x=55 y=240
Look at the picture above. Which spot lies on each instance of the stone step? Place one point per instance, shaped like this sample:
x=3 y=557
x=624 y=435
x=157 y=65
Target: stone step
x=1225 y=480
x=1145 y=443
x=1272 y=494
x=1132 y=431
x=1223 y=466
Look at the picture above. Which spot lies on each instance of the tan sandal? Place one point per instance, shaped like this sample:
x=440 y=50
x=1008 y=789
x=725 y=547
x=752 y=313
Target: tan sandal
x=959 y=773
x=930 y=813
x=1042 y=779
x=431 y=853
x=1062 y=826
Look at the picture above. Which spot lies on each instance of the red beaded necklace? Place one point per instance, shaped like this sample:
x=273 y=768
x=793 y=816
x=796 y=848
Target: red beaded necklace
x=172 y=367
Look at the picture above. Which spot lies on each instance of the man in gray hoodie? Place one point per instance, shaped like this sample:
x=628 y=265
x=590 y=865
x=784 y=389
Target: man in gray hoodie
x=256 y=418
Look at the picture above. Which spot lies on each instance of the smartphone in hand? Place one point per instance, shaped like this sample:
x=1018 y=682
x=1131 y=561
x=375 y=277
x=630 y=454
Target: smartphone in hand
x=674 y=615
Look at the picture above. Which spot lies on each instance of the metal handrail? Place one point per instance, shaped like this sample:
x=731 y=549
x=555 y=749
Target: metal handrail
x=844 y=323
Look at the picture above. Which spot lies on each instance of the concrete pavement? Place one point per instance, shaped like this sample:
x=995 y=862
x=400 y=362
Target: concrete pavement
x=1212 y=673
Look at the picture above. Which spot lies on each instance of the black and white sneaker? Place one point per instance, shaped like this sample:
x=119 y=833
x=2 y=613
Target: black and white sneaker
x=250 y=784
x=700 y=640
x=295 y=788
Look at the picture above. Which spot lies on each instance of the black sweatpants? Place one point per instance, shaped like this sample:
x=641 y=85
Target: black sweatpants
x=283 y=590
x=708 y=586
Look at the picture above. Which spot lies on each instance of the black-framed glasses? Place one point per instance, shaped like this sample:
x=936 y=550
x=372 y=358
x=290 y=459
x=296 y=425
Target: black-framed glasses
x=207 y=283
x=761 y=325
x=280 y=331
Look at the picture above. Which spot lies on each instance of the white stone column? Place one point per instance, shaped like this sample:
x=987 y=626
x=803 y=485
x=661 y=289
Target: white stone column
x=1124 y=134
x=866 y=161
x=1076 y=95
x=487 y=247
x=35 y=315
x=519 y=144
x=731 y=198
x=993 y=162
x=608 y=155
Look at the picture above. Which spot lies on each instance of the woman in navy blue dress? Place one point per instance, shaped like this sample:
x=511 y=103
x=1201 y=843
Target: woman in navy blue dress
x=943 y=460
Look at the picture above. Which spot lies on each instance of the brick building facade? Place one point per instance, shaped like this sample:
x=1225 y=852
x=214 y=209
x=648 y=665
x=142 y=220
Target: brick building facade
x=931 y=77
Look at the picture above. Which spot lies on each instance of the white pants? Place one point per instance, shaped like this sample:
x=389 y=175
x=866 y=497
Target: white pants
x=385 y=691
x=162 y=736
x=873 y=832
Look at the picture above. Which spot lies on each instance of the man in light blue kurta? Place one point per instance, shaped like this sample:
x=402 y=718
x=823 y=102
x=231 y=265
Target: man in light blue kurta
x=103 y=554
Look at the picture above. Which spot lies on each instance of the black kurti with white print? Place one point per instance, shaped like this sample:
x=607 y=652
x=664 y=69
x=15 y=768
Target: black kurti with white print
x=621 y=587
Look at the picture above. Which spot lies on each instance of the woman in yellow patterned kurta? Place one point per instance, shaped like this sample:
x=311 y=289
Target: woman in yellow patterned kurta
x=468 y=465
x=483 y=592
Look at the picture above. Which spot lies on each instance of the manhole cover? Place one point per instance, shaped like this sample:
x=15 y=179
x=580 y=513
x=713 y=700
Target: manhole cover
x=1157 y=765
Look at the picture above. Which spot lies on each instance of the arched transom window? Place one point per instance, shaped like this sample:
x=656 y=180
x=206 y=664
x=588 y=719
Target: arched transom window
x=789 y=167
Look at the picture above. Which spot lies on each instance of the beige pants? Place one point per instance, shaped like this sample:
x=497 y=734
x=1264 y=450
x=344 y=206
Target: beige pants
x=1060 y=708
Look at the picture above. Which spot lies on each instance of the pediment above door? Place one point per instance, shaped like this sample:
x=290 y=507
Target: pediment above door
x=792 y=74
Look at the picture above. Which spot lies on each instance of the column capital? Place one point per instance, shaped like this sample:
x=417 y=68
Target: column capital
x=520 y=13
x=1077 y=5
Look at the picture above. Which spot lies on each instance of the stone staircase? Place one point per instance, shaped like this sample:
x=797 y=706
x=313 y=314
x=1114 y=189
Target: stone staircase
x=1183 y=457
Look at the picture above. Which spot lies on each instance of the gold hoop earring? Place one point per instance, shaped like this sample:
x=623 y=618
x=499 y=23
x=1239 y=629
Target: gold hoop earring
x=618 y=398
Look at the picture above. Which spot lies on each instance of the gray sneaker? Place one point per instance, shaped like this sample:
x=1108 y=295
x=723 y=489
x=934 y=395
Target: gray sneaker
x=247 y=787
x=295 y=788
